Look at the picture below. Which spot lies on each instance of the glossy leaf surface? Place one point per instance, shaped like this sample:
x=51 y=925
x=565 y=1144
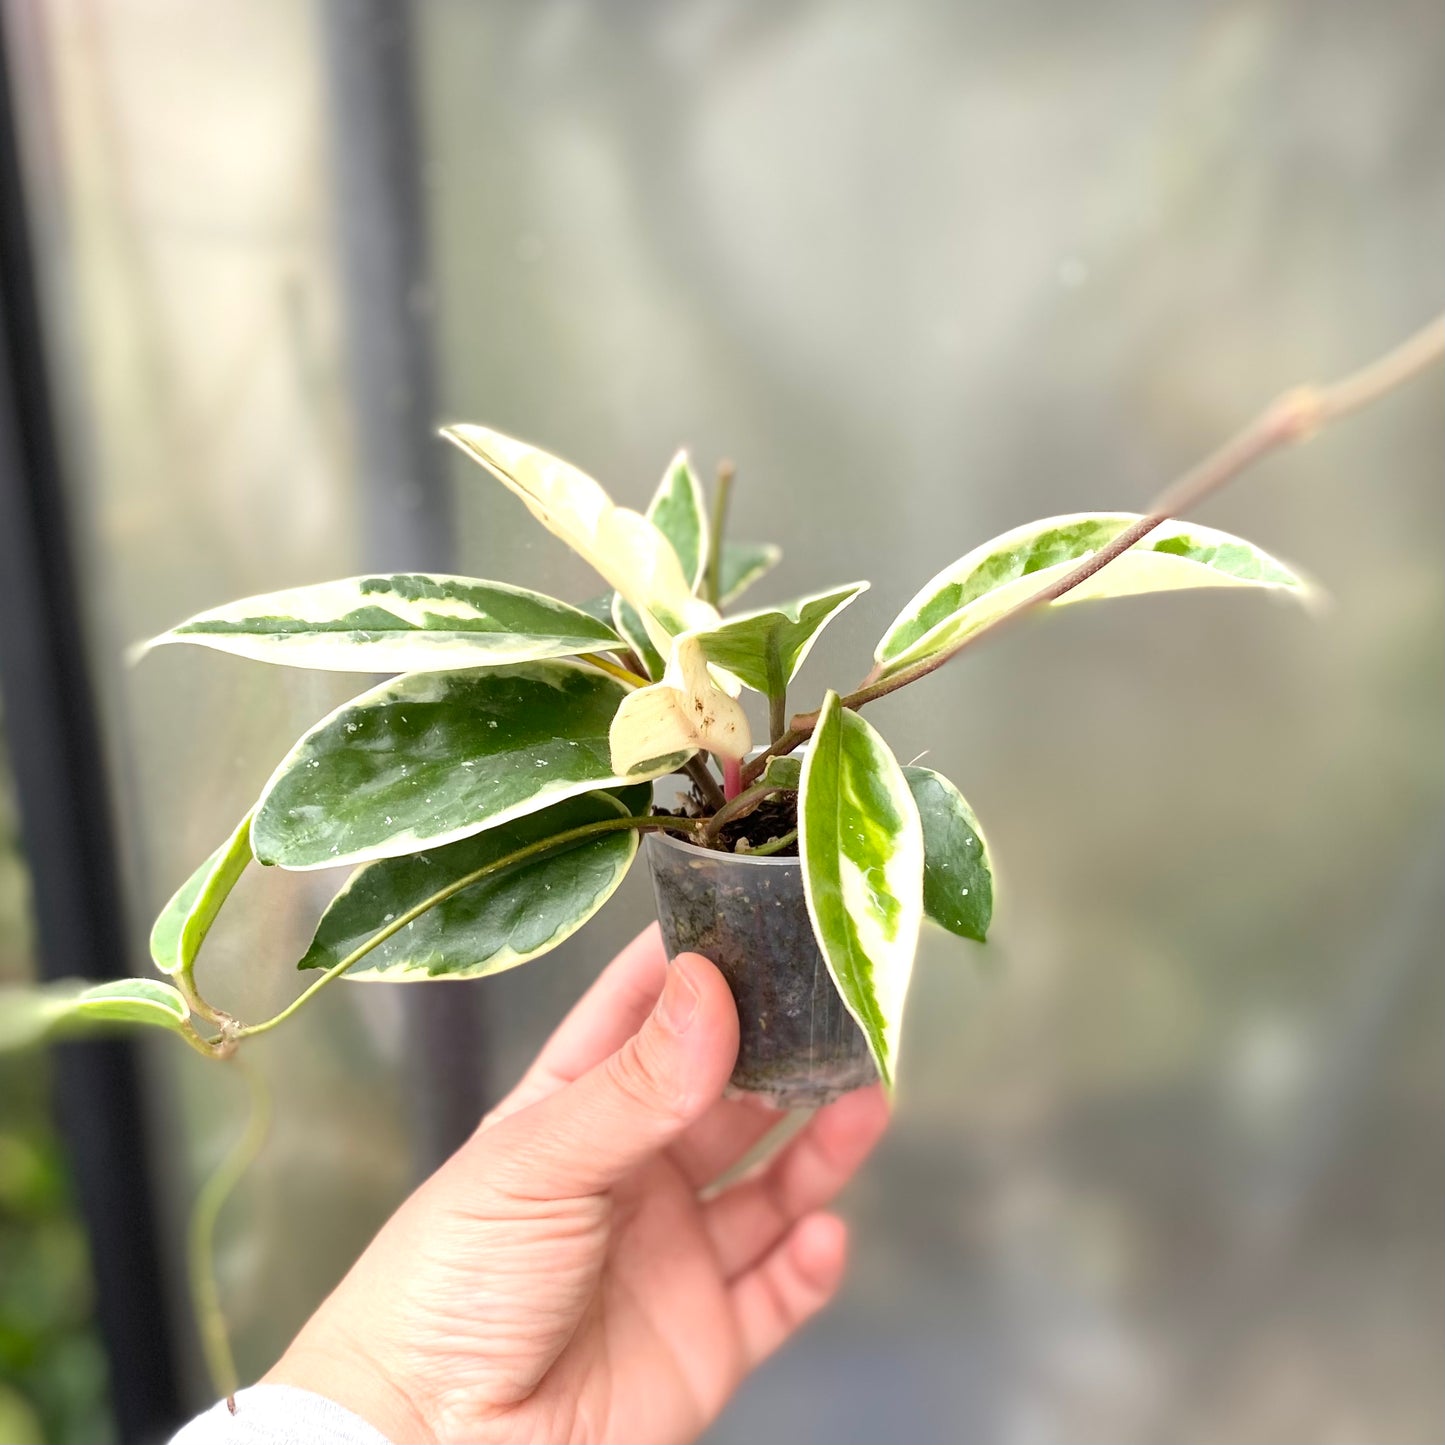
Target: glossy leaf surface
x=405 y=622
x=765 y=649
x=1001 y=573
x=505 y=918
x=428 y=758
x=861 y=843
x=957 y=869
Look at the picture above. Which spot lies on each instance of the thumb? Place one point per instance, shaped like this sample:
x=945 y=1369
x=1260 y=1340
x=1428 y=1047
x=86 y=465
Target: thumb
x=588 y=1136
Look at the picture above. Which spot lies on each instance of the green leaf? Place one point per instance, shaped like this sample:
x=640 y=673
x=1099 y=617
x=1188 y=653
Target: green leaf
x=181 y=928
x=679 y=512
x=599 y=608
x=861 y=843
x=626 y=548
x=30 y=1015
x=405 y=622
x=957 y=869
x=741 y=564
x=765 y=649
x=1001 y=573
x=433 y=757
x=504 y=919
x=630 y=628
x=784 y=772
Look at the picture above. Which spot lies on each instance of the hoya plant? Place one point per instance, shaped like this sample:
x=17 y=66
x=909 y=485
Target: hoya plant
x=490 y=794
x=492 y=791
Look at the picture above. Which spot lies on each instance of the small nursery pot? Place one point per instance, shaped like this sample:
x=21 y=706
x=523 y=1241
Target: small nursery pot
x=798 y=1045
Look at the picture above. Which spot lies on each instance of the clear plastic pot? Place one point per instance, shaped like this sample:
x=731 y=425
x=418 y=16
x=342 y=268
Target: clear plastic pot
x=798 y=1045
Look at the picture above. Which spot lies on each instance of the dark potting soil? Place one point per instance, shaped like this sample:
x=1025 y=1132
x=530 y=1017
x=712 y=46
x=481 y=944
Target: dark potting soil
x=775 y=817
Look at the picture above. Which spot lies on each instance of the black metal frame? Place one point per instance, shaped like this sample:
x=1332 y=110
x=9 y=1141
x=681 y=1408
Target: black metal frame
x=61 y=786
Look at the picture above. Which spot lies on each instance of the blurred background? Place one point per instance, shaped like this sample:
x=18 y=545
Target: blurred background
x=1167 y=1161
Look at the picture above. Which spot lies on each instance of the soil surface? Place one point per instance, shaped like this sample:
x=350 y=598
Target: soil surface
x=774 y=817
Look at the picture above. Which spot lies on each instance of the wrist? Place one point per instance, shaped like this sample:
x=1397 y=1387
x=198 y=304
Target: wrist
x=354 y=1381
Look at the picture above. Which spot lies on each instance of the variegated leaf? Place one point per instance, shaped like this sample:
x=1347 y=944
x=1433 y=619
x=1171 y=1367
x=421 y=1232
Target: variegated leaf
x=405 y=622
x=679 y=511
x=428 y=758
x=181 y=928
x=505 y=918
x=30 y=1015
x=765 y=649
x=599 y=608
x=861 y=842
x=743 y=563
x=633 y=632
x=998 y=575
x=686 y=711
x=623 y=546
x=957 y=869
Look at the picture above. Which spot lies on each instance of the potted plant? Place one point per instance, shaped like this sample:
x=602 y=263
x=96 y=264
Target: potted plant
x=491 y=793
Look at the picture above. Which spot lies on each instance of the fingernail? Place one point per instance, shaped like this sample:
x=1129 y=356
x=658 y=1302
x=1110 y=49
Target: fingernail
x=678 y=1004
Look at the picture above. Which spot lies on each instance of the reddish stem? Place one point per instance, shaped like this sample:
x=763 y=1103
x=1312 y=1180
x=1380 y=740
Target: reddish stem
x=732 y=777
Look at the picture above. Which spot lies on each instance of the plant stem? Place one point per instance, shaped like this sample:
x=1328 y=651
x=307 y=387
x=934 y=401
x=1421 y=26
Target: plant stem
x=185 y=982
x=737 y=807
x=777 y=714
x=707 y=786
x=1294 y=416
x=201 y=1235
x=613 y=669
x=560 y=841
x=732 y=777
x=775 y=845
x=721 y=494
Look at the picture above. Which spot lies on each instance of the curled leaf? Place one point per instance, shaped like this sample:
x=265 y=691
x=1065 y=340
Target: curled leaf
x=181 y=928
x=686 y=711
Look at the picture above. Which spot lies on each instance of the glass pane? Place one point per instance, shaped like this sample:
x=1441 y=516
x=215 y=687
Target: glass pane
x=1166 y=1158
x=181 y=155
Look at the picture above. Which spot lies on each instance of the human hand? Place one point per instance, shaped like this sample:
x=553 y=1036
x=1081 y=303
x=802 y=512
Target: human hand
x=566 y=1276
